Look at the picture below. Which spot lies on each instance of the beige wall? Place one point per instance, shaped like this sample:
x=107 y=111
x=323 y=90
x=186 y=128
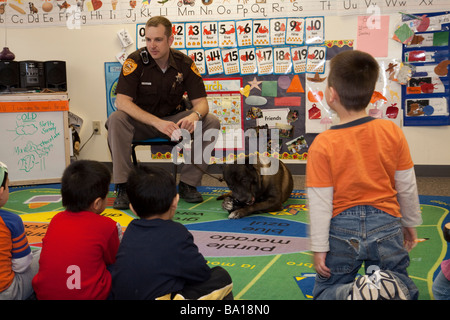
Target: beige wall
x=86 y=49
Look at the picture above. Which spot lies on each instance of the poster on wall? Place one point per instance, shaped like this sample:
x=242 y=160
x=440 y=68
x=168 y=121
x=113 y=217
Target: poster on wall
x=112 y=72
x=423 y=71
x=225 y=102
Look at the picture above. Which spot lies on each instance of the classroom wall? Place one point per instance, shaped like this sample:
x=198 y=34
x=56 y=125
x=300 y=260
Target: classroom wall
x=87 y=49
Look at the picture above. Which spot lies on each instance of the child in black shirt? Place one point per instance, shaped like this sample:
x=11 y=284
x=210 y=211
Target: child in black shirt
x=157 y=258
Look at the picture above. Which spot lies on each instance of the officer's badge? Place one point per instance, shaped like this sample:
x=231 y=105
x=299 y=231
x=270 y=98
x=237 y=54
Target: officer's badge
x=129 y=66
x=194 y=68
x=179 y=78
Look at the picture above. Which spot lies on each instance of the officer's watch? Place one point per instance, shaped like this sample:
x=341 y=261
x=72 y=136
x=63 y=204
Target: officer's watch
x=199 y=115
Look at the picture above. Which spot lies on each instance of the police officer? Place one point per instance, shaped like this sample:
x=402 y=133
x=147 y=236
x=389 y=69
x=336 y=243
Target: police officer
x=149 y=98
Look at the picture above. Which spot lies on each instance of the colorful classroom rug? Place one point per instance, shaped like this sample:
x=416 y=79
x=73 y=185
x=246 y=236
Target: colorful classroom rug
x=266 y=254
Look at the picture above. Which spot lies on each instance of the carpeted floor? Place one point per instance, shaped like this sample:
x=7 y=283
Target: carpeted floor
x=266 y=255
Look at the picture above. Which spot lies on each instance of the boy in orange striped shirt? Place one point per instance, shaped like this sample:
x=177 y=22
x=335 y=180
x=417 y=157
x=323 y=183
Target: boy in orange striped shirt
x=17 y=263
x=362 y=193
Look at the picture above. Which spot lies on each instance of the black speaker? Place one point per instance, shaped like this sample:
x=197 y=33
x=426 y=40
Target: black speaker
x=32 y=75
x=55 y=75
x=9 y=75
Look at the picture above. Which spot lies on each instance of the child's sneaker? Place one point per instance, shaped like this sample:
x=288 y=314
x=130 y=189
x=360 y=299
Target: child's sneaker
x=381 y=285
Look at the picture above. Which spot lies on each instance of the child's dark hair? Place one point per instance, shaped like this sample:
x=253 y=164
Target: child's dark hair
x=353 y=74
x=150 y=190
x=82 y=182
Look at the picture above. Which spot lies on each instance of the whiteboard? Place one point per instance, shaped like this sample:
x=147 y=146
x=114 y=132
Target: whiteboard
x=34 y=146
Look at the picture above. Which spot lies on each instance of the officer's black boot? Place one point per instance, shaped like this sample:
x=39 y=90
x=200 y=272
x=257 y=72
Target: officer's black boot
x=189 y=193
x=121 y=201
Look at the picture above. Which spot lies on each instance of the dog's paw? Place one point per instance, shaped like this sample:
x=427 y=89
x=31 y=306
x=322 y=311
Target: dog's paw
x=227 y=204
x=236 y=214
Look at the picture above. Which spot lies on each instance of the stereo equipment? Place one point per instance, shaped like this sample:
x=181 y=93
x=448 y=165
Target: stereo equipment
x=55 y=75
x=9 y=75
x=32 y=76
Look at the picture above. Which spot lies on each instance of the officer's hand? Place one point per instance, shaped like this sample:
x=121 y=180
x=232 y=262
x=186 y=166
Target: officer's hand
x=188 y=123
x=169 y=128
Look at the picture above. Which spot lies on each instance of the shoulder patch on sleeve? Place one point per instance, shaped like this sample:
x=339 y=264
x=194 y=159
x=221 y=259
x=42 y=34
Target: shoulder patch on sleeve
x=129 y=66
x=194 y=68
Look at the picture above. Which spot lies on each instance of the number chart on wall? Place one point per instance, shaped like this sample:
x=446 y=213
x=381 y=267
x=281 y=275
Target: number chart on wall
x=251 y=46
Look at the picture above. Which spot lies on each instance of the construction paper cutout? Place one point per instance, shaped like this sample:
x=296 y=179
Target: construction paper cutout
x=392 y=111
x=403 y=34
x=326 y=120
x=376 y=113
x=269 y=89
x=441 y=68
x=415 y=110
x=288 y=101
x=245 y=91
x=314 y=113
x=416 y=56
x=423 y=24
x=256 y=101
x=427 y=87
x=440 y=39
x=296 y=85
x=316 y=78
x=376 y=96
x=284 y=82
x=428 y=110
x=255 y=84
x=315 y=96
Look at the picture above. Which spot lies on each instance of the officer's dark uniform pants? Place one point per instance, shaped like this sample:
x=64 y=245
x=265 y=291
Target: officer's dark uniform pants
x=122 y=130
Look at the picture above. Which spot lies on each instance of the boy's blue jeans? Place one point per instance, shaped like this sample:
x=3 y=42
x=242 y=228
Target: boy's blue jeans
x=441 y=287
x=362 y=234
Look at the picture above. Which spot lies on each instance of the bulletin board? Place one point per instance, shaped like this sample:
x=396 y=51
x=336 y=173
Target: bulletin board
x=282 y=63
x=270 y=58
x=35 y=137
x=425 y=58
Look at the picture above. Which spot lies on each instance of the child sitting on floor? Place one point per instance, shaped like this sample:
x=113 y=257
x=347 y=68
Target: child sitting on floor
x=157 y=257
x=18 y=264
x=79 y=244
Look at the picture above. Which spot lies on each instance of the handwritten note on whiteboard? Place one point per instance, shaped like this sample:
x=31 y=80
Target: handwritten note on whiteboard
x=33 y=145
